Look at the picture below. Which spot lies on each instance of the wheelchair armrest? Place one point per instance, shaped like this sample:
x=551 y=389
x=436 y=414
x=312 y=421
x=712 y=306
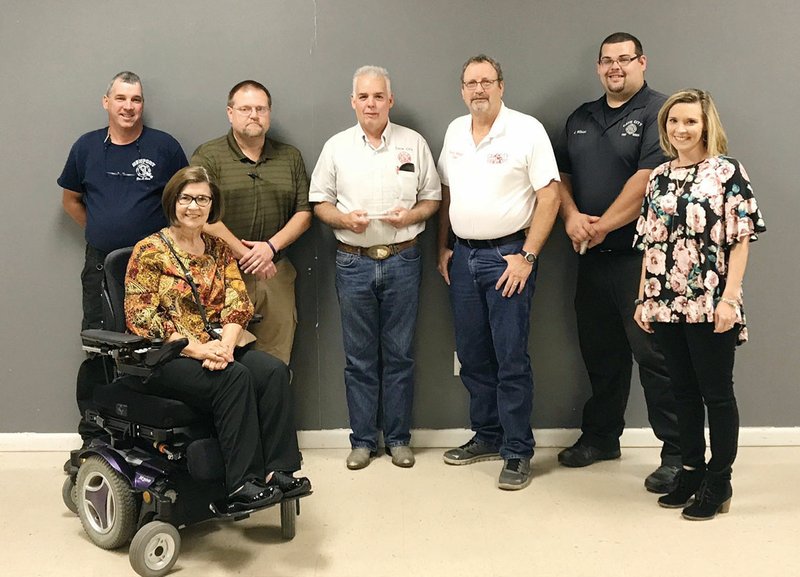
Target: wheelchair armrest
x=165 y=353
x=111 y=338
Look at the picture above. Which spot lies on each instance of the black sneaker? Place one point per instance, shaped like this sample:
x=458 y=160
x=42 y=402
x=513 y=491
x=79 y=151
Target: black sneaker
x=580 y=455
x=516 y=474
x=290 y=485
x=471 y=452
x=252 y=495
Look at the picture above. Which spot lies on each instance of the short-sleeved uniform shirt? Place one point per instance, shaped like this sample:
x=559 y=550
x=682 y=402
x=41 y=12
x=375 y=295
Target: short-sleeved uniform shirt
x=121 y=185
x=260 y=197
x=602 y=147
x=352 y=175
x=493 y=185
x=691 y=218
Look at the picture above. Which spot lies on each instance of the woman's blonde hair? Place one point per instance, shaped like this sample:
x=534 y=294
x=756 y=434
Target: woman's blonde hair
x=714 y=138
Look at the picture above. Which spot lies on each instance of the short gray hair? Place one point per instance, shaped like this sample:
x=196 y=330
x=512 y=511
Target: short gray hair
x=376 y=71
x=127 y=77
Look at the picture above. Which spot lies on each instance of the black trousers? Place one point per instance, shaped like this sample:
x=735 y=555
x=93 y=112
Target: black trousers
x=701 y=365
x=610 y=339
x=95 y=370
x=250 y=403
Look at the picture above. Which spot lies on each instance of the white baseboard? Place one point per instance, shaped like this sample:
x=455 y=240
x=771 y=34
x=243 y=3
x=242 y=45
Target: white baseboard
x=428 y=438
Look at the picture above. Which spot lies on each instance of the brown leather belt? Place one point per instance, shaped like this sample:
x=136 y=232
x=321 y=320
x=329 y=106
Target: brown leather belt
x=379 y=251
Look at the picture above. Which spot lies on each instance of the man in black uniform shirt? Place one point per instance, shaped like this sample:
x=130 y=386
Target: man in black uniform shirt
x=609 y=147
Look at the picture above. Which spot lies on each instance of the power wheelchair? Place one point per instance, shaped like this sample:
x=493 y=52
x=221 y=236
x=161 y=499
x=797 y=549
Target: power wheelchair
x=159 y=468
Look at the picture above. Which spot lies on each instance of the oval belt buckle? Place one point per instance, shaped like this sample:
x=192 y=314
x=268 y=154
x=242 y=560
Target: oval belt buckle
x=379 y=252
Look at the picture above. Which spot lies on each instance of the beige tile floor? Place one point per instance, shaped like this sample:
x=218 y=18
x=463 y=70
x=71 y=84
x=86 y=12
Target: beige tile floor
x=438 y=521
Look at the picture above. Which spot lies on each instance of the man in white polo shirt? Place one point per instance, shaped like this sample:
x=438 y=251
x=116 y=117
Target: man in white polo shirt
x=375 y=185
x=500 y=200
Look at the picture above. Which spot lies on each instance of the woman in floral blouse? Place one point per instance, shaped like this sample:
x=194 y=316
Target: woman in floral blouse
x=244 y=390
x=698 y=218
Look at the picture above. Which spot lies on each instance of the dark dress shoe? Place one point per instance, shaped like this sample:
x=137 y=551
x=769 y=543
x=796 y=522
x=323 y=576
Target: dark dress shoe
x=580 y=455
x=289 y=485
x=253 y=495
x=664 y=480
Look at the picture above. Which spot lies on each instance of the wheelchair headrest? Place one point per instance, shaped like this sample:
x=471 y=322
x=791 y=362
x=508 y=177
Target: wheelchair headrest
x=116 y=265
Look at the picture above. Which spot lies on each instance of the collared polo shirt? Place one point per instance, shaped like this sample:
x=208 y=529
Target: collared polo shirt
x=601 y=156
x=352 y=175
x=493 y=185
x=260 y=197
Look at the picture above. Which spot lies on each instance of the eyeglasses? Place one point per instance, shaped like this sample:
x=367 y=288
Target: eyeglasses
x=200 y=200
x=248 y=110
x=473 y=84
x=623 y=60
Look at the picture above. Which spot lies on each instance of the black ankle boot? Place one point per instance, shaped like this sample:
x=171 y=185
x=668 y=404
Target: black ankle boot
x=714 y=496
x=689 y=482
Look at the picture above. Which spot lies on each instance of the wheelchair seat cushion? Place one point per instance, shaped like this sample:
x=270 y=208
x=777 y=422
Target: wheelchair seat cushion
x=124 y=399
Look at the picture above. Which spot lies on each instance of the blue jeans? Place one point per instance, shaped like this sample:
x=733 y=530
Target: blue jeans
x=378 y=301
x=492 y=346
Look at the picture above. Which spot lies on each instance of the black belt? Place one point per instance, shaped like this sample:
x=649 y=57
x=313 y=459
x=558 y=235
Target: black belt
x=493 y=242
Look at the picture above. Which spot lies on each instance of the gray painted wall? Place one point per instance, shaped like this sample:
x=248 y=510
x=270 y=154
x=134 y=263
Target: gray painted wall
x=56 y=58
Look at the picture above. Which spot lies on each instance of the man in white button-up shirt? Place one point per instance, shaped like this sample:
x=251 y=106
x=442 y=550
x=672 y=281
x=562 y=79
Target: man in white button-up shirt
x=375 y=185
x=500 y=199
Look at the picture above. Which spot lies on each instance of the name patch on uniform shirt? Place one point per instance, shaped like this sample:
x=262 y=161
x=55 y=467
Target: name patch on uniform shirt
x=496 y=157
x=455 y=154
x=632 y=128
x=579 y=132
x=144 y=168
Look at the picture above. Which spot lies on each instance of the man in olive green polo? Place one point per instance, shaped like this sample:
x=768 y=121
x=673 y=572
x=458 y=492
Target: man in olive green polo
x=265 y=187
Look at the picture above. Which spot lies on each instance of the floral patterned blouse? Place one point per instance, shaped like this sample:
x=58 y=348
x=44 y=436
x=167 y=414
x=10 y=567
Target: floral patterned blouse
x=159 y=300
x=691 y=217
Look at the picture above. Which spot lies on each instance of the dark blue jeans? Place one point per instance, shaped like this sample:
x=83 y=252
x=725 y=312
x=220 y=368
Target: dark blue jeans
x=492 y=346
x=378 y=302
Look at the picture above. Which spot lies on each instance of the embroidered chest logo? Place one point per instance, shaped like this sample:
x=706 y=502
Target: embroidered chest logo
x=403 y=157
x=496 y=157
x=144 y=169
x=632 y=128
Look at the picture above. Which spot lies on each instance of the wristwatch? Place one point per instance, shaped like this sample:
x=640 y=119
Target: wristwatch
x=529 y=256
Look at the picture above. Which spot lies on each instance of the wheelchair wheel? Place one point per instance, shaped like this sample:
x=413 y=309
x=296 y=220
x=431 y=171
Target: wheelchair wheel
x=154 y=549
x=288 y=519
x=106 y=504
x=70 y=494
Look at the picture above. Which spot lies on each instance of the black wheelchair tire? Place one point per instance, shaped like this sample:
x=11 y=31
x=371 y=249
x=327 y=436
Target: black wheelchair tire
x=288 y=519
x=69 y=494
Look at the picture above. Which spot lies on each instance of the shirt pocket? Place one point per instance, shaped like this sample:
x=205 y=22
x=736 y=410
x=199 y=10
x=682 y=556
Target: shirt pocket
x=407 y=188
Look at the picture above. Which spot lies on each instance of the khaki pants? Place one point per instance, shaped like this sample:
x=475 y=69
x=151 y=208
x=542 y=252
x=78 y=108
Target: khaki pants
x=275 y=300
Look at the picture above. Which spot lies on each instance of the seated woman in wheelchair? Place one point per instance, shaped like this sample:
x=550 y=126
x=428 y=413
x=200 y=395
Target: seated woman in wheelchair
x=244 y=390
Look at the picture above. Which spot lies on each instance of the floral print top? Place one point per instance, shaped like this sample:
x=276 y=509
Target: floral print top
x=159 y=300
x=691 y=217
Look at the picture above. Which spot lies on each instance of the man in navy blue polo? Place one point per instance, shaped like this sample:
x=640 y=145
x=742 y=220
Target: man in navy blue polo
x=112 y=183
x=608 y=150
